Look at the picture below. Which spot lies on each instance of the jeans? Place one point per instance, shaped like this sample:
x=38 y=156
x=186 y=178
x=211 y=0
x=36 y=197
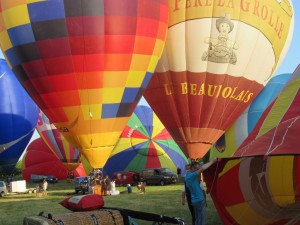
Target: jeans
x=200 y=212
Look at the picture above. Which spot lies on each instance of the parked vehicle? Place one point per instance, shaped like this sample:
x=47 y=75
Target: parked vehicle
x=82 y=184
x=3 y=188
x=160 y=176
x=126 y=177
x=51 y=179
x=35 y=178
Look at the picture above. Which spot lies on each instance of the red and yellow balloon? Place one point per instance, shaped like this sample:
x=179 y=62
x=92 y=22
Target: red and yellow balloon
x=256 y=190
x=85 y=63
x=58 y=145
x=218 y=56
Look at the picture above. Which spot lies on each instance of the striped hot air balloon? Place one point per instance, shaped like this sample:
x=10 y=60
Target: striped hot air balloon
x=85 y=63
x=58 y=144
x=218 y=56
x=145 y=143
x=261 y=183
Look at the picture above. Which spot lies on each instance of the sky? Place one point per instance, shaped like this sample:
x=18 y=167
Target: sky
x=289 y=64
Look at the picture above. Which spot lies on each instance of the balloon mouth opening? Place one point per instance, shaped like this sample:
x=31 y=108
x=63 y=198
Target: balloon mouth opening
x=97 y=155
x=195 y=150
x=71 y=166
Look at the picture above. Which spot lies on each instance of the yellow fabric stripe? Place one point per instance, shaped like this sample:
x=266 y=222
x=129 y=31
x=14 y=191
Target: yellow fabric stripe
x=122 y=144
x=16 y=16
x=243 y=214
x=282 y=103
x=135 y=79
x=281 y=179
x=229 y=165
x=157 y=126
x=112 y=95
x=66 y=150
x=5 y=42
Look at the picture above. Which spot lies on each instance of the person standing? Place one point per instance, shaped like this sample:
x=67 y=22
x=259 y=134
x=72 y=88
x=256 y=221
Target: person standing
x=192 y=179
x=44 y=186
x=107 y=184
x=186 y=194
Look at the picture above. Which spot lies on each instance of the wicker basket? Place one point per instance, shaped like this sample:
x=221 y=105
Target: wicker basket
x=95 y=217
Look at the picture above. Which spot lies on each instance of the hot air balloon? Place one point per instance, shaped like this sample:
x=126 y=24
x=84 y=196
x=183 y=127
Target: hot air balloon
x=218 y=56
x=145 y=143
x=229 y=142
x=58 y=144
x=85 y=63
x=277 y=130
x=18 y=118
x=264 y=173
x=40 y=160
x=256 y=190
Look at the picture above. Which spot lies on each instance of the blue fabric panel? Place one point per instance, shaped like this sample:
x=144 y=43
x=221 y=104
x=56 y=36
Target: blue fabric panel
x=145 y=115
x=21 y=35
x=12 y=57
x=110 y=110
x=129 y=95
x=47 y=10
x=146 y=80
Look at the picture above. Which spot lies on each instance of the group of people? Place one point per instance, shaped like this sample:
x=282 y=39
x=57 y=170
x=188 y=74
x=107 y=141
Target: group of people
x=194 y=192
x=106 y=184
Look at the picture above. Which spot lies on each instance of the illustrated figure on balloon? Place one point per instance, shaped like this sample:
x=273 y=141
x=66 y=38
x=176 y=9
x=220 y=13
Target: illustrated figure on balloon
x=221 y=48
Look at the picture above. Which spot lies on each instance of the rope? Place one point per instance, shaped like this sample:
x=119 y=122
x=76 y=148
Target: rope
x=282 y=140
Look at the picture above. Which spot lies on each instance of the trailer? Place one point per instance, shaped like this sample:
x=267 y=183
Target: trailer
x=19 y=187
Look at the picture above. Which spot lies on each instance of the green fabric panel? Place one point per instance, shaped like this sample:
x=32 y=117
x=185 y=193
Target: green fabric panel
x=280 y=107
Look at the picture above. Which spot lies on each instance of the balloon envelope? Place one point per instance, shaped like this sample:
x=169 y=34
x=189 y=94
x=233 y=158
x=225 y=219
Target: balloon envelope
x=229 y=142
x=145 y=143
x=85 y=63
x=218 y=56
x=18 y=118
x=256 y=190
x=40 y=160
x=277 y=131
x=58 y=144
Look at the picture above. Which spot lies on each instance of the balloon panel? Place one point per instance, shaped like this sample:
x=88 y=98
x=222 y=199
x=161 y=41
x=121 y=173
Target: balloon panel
x=145 y=143
x=276 y=131
x=18 y=118
x=217 y=58
x=85 y=64
x=261 y=191
x=229 y=142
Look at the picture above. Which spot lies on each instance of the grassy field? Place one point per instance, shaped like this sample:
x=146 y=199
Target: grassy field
x=163 y=200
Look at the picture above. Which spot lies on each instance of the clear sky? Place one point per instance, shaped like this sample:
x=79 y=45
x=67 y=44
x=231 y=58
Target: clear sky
x=290 y=62
x=292 y=58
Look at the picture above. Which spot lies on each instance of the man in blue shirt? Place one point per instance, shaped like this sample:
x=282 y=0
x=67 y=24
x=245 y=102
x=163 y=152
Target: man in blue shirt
x=192 y=179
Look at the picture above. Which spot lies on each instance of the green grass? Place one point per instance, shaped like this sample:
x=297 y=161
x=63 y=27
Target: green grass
x=163 y=200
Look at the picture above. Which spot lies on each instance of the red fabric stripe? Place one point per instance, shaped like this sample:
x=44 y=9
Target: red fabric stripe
x=163 y=135
x=128 y=132
x=153 y=159
x=228 y=184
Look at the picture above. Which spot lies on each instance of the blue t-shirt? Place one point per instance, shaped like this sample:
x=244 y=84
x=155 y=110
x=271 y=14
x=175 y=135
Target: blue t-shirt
x=192 y=181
